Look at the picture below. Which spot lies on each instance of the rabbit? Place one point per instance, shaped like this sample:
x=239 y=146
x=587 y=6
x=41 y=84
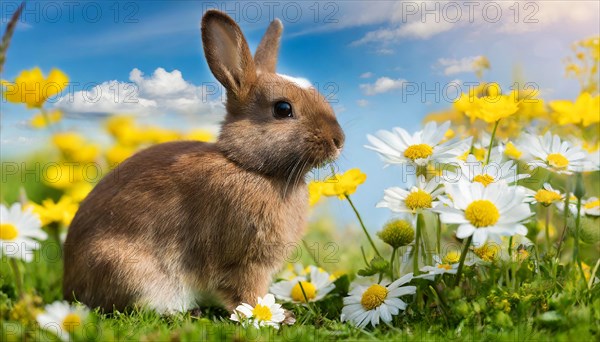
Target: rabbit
x=183 y=222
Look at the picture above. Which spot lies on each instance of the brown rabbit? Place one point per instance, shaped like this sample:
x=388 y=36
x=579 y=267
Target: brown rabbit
x=182 y=219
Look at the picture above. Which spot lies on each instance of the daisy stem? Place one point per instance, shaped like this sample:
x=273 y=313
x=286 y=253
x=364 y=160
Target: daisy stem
x=362 y=224
x=461 y=262
x=17 y=273
x=425 y=247
x=439 y=236
x=566 y=218
x=547 y=227
x=362 y=250
x=392 y=262
x=417 y=244
x=487 y=160
x=512 y=263
x=576 y=257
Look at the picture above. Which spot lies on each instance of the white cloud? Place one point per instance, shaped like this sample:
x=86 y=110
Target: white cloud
x=539 y=15
x=382 y=85
x=367 y=74
x=452 y=66
x=362 y=103
x=402 y=20
x=162 y=92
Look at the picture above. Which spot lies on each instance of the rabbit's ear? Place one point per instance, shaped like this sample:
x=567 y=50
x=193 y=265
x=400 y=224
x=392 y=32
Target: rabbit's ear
x=227 y=52
x=265 y=57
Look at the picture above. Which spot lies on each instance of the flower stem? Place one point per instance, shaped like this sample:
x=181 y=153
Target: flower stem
x=439 y=236
x=392 y=262
x=461 y=262
x=417 y=244
x=17 y=273
x=362 y=224
x=566 y=217
x=547 y=226
x=487 y=160
x=576 y=257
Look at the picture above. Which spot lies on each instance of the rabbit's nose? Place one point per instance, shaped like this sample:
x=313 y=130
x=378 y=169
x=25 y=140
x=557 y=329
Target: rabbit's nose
x=338 y=143
x=338 y=137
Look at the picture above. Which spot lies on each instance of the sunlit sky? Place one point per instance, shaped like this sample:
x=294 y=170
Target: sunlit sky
x=364 y=52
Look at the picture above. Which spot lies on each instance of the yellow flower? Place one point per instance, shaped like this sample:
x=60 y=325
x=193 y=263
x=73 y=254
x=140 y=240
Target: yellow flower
x=74 y=148
x=467 y=104
x=487 y=252
x=200 y=135
x=315 y=192
x=344 y=184
x=478 y=152
x=158 y=135
x=547 y=197
x=493 y=89
x=123 y=129
x=41 y=121
x=32 y=89
x=61 y=212
x=493 y=108
x=63 y=175
x=78 y=191
x=118 y=153
x=583 y=111
x=512 y=151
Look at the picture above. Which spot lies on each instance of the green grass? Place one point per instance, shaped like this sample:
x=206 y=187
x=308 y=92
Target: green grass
x=540 y=307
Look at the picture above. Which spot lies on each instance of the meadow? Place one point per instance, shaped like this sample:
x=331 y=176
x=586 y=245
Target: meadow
x=496 y=237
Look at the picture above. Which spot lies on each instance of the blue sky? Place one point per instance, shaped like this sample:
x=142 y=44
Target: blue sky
x=369 y=50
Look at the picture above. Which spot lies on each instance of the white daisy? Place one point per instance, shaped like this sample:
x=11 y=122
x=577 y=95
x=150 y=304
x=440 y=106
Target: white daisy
x=551 y=153
x=545 y=196
x=62 y=319
x=399 y=147
x=265 y=313
x=474 y=170
x=299 y=289
x=18 y=229
x=591 y=206
x=480 y=211
x=367 y=305
x=422 y=196
x=449 y=264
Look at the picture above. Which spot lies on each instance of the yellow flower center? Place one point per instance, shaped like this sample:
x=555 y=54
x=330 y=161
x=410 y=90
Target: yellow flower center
x=593 y=204
x=487 y=252
x=482 y=213
x=445 y=266
x=512 y=151
x=309 y=290
x=262 y=313
x=373 y=297
x=557 y=160
x=452 y=257
x=418 y=200
x=418 y=151
x=546 y=196
x=8 y=232
x=484 y=179
x=71 y=322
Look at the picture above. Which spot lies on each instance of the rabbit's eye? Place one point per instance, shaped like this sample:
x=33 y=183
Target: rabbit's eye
x=282 y=110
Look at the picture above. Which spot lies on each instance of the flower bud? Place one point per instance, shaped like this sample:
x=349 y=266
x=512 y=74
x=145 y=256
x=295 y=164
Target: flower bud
x=397 y=233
